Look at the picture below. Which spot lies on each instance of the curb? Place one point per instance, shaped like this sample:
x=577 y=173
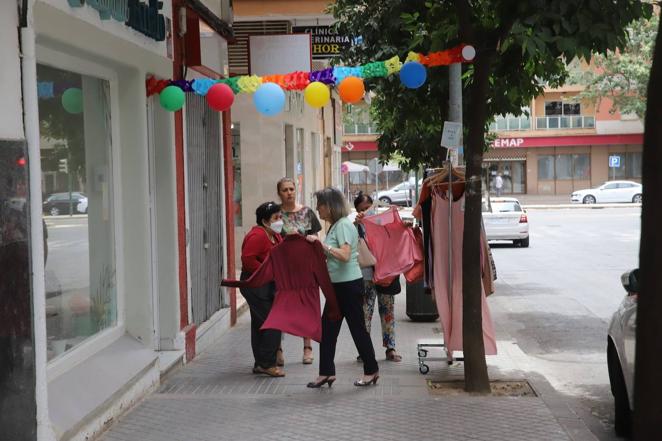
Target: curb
x=579 y=206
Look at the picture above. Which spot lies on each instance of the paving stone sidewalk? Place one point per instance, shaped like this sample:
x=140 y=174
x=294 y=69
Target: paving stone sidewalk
x=216 y=397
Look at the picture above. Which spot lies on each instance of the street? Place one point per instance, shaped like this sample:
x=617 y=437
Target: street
x=555 y=299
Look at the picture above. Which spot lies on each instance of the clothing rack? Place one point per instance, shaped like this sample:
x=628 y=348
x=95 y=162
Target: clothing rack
x=423 y=346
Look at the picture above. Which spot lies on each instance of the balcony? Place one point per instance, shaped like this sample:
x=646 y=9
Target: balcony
x=510 y=123
x=565 y=122
x=360 y=129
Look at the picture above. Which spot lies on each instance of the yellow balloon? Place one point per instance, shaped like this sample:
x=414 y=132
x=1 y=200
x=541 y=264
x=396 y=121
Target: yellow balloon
x=317 y=94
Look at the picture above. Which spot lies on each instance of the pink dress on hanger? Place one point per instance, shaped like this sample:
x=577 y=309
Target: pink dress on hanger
x=450 y=306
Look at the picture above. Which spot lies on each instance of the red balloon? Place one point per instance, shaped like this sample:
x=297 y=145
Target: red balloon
x=220 y=97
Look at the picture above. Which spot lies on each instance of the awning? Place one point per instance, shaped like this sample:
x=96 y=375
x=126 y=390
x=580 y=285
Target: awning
x=390 y=167
x=505 y=155
x=352 y=167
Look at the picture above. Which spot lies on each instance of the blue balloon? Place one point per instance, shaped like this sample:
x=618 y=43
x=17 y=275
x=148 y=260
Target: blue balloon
x=269 y=99
x=413 y=74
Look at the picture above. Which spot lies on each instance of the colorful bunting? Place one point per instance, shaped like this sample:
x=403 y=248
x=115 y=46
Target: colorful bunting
x=413 y=76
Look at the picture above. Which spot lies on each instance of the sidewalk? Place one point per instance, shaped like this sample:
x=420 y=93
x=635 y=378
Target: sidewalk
x=216 y=397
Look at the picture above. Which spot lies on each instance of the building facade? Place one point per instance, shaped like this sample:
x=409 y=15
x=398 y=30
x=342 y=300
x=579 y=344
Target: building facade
x=562 y=145
x=302 y=142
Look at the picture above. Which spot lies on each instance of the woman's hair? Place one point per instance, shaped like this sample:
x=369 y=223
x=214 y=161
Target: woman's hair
x=265 y=211
x=281 y=181
x=361 y=198
x=335 y=201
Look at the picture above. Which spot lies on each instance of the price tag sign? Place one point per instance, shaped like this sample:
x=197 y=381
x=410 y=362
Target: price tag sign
x=452 y=135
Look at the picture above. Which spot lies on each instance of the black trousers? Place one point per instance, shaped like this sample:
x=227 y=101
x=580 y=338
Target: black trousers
x=266 y=342
x=350 y=299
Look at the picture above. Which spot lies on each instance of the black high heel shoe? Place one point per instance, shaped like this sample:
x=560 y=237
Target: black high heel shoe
x=328 y=380
x=361 y=383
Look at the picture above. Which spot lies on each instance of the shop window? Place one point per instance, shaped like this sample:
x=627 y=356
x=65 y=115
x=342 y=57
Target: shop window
x=545 y=167
x=236 y=167
x=631 y=163
x=81 y=294
x=581 y=166
x=563 y=167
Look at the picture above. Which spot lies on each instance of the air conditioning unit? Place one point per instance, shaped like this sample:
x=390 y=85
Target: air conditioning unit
x=227 y=14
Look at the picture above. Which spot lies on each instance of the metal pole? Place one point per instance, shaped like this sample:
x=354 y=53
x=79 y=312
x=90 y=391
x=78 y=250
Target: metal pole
x=69 y=183
x=455 y=100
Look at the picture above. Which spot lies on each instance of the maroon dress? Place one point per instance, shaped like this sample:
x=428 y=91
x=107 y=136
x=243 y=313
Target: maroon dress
x=299 y=269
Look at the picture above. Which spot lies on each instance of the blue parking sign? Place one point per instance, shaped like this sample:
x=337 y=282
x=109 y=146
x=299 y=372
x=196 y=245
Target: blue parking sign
x=614 y=161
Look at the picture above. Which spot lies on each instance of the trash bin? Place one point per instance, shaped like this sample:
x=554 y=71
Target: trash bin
x=420 y=307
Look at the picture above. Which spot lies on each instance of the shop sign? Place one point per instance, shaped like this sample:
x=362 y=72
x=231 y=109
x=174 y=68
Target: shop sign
x=326 y=42
x=142 y=17
x=508 y=142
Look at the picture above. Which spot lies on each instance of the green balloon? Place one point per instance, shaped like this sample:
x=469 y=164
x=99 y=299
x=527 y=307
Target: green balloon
x=72 y=100
x=172 y=98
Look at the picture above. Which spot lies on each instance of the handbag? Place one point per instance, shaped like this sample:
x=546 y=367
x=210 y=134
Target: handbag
x=366 y=258
x=391 y=289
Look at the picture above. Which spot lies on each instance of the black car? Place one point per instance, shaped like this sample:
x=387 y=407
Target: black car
x=59 y=203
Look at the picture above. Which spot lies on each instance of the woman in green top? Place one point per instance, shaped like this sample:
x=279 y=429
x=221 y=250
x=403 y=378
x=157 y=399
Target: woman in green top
x=341 y=247
x=297 y=219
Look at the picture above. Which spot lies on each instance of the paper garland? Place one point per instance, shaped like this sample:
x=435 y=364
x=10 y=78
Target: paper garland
x=331 y=76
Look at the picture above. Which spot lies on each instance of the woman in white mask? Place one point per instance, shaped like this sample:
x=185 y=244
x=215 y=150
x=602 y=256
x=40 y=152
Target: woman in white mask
x=254 y=250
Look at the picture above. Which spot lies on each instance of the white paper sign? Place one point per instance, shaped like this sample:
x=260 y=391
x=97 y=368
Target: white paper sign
x=452 y=135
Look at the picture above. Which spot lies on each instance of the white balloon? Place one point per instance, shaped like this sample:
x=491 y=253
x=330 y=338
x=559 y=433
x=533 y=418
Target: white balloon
x=468 y=53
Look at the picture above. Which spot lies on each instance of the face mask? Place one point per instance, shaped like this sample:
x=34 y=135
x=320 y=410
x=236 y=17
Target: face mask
x=277 y=226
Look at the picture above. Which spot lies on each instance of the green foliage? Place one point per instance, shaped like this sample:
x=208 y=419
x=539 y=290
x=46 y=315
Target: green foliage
x=529 y=40
x=621 y=75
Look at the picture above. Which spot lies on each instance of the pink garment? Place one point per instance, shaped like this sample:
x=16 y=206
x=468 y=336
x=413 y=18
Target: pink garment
x=450 y=307
x=392 y=243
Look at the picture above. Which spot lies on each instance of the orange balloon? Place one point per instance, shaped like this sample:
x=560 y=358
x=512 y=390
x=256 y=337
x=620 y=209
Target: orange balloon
x=351 y=90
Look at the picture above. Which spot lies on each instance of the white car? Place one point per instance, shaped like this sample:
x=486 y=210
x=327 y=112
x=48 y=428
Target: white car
x=620 y=354
x=400 y=194
x=609 y=192
x=504 y=219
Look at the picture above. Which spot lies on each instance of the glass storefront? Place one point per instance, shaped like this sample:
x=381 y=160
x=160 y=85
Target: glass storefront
x=81 y=294
x=513 y=176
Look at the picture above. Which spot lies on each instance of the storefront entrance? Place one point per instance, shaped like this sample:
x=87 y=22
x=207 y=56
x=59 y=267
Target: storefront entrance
x=513 y=176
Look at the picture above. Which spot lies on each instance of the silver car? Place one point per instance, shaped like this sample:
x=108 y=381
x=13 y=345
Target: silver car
x=620 y=354
x=505 y=219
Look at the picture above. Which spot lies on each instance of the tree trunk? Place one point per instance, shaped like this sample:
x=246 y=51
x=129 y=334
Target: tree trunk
x=475 y=367
x=647 y=391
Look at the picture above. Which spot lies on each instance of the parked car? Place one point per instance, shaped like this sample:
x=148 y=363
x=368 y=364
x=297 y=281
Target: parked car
x=59 y=203
x=620 y=353
x=505 y=219
x=612 y=191
x=400 y=194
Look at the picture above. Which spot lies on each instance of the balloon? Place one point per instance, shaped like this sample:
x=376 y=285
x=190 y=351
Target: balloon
x=269 y=99
x=413 y=75
x=351 y=90
x=220 y=97
x=172 y=98
x=317 y=94
x=72 y=100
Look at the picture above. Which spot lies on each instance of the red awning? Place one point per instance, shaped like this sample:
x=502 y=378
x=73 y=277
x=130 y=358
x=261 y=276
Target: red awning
x=562 y=141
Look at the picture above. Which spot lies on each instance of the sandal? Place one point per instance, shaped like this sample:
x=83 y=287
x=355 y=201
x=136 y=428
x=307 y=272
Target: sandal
x=273 y=371
x=280 y=360
x=307 y=359
x=391 y=355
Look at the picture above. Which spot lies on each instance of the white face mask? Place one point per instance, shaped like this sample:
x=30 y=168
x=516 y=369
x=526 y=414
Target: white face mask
x=277 y=226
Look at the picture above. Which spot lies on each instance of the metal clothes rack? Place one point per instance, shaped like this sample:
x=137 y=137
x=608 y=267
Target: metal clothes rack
x=424 y=346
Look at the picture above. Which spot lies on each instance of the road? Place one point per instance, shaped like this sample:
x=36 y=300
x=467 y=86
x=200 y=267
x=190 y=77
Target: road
x=556 y=299
x=68 y=262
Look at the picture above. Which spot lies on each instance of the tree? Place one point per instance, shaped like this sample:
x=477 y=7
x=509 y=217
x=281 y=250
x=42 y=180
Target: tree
x=647 y=403
x=520 y=49
x=622 y=75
